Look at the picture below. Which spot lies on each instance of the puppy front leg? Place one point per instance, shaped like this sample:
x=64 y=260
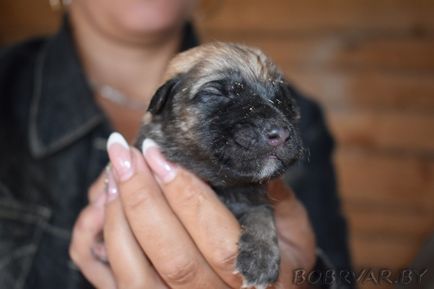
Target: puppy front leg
x=259 y=259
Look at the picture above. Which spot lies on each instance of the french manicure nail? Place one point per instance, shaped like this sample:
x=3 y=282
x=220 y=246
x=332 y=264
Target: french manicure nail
x=111 y=189
x=164 y=170
x=120 y=156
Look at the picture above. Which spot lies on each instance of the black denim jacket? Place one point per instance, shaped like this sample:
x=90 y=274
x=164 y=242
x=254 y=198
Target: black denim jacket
x=52 y=147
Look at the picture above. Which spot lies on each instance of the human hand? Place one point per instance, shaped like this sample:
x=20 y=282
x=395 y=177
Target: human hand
x=87 y=250
x=176 y=233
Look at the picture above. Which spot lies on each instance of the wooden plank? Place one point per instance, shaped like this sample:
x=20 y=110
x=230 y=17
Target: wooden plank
x=384 y=130
x=20 y=19
x=339 y=51
x=389 y=204
x=370 y=253
x=390 y=183
x=371 y=220
x=375 y=90
x=317 y=15
x=380 y=252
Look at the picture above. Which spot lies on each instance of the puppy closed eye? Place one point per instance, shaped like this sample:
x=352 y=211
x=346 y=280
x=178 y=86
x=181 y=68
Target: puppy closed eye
x=213 y=91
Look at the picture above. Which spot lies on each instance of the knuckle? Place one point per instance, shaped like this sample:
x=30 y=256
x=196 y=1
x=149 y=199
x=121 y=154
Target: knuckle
x=131 y=284
x=80 y=232
x=84 y=222
x=92 y=190
x=96 y=187
x=190 y=190
x=137 y=192
x=76 y=247
x=224 y=259
x=180 y=272
x=191 y=197
x=138 y=198
x=74 y=253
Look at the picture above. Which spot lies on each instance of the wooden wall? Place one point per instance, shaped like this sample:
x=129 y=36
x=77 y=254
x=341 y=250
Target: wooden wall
x=370 y=63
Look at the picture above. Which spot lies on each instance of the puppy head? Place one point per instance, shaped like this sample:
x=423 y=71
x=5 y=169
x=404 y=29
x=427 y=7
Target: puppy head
x=227 y=114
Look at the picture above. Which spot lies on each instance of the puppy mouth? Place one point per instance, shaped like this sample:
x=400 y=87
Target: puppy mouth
x=270 y=165
x=253 y=158
x=253 y=152
x=273 y=156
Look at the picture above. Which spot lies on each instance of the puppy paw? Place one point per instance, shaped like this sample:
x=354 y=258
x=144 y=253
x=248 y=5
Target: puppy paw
x=258 y=262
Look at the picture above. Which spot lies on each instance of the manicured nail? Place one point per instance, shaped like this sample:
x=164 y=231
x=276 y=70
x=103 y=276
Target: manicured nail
x=163 y=170
x=120 y=156
x=111 y=187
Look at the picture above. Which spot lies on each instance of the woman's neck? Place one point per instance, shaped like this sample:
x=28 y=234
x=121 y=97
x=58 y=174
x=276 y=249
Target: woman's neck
x=135 y=69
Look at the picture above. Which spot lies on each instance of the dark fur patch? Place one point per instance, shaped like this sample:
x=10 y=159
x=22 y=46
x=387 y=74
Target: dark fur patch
x=163 y=95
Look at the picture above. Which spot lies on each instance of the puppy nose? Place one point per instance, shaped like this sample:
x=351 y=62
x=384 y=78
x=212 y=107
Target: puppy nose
x=277 y=136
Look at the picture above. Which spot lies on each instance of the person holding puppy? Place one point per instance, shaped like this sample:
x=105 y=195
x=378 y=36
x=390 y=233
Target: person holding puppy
x=60 y=100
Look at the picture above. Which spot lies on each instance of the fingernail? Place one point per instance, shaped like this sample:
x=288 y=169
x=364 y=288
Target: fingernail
x=111 y=187
x=120 y=156
x=163 y=170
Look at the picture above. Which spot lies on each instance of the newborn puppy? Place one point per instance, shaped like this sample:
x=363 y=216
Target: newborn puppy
x=226 y=114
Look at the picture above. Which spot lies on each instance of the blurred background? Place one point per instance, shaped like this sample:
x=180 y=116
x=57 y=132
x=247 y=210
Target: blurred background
x=370 y=63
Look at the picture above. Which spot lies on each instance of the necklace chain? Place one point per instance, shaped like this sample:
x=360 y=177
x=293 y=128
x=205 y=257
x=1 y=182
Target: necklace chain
x=113 y=95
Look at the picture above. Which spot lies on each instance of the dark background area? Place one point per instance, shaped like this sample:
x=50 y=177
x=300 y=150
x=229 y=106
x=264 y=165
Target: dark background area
x=370 y=63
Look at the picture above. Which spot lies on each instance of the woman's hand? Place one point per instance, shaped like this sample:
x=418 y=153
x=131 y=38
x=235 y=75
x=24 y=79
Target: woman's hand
x=175 y=232
x=87 y=249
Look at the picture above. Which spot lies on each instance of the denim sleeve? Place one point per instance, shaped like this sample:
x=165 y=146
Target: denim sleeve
x=314 y=183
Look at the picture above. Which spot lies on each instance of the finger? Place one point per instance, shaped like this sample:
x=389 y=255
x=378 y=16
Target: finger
x=293 y=225
x=295 y=231
x=84 y=236
x=287 y=267
x=128 y=262
x=291 y=260
x=157 y=229
x=213 y=228
x=295 y=235
x=97 y=188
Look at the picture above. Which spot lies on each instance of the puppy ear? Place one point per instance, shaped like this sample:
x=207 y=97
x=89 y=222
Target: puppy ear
x=163 y=95
x=293 y=95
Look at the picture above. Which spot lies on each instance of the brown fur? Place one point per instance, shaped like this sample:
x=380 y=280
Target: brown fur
x=206 y=61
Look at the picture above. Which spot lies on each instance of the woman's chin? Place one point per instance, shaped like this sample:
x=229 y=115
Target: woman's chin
x=142 y=28
x=135 y=21
x=145 y=18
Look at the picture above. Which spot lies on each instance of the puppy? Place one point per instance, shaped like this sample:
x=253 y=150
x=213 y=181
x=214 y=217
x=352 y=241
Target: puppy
x=226 y=113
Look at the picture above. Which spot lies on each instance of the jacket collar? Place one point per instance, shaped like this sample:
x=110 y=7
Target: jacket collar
x=63 y=108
